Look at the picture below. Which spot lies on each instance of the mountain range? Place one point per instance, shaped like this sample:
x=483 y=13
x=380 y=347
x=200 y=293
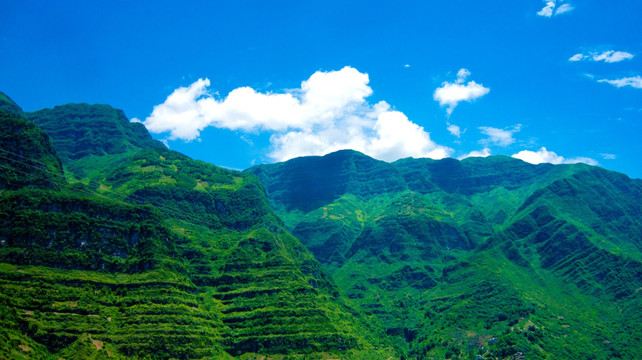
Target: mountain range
x=114 y=246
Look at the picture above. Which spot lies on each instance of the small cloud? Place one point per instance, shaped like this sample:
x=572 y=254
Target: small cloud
x=485 y=152
x=501 y=137
x=407 y=66
x=451 y=94
x=462 y=74
x=454 y=130
x=607 y=156
x=577 y=57
x=551 y=9
x=547 y=10
x=564 y=8
x=610 y=56
x=135 y=120
x=545 y=156
x=634 y=82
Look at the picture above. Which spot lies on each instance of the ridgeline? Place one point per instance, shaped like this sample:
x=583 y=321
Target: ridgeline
x=113 y=246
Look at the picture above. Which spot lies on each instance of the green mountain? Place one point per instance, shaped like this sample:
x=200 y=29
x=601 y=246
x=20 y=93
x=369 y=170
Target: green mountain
x=9 y=106
x=130 y=250
x=481 y=257
x=113 y=246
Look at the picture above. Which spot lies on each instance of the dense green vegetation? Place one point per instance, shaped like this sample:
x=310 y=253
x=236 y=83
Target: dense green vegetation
x=27 y=157
x=9 y=106
x=482 y=257
x=136 y=251
x=81 y=130
x=113 y=246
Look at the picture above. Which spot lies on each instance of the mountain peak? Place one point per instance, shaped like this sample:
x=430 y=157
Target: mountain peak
x=27 y=156
x=8 y=105
x=79 y=130
x=310 y=181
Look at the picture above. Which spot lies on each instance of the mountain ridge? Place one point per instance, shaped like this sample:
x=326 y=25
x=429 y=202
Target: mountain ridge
x=394 y=253
x=131 y=250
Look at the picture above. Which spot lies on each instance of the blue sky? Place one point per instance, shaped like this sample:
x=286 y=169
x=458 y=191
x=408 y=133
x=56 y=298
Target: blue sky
x=240 y=83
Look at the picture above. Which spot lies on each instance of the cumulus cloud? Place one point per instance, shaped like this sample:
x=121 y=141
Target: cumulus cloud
x=610 y=56
x=501 y=137
x=551 y=9
x=328 y=112
x=634 y=82
x=607 y=156
x=485 y=152
x=454 y=129
x=451 y=94
x=545 y=156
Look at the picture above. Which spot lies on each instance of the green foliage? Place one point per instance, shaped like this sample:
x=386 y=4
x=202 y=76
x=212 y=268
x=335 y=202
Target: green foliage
x=148 y=254
x=64 y=230
x=27 y=157
x=9 y=106
x=79 y=130
x=144 y=253
x=486 y=256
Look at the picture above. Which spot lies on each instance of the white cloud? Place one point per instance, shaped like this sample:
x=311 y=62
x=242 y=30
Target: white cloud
x=610 y=56
x=328 y=112
x=635 y=82
x=551 y=9
x=501 y=137
x=451 y=94
x=454 y=129
x=607 y=156
x=485 y=152
x=547 y=11
x=563 y=9
x=577 y=57
x=545 y=156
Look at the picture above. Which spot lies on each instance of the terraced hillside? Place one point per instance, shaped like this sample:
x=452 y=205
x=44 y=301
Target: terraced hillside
x=113 y=246
x=139 y=252
x=485 y=256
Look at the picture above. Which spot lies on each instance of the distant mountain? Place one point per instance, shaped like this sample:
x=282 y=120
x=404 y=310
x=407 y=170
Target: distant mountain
x=137 y=251
x=485 y=256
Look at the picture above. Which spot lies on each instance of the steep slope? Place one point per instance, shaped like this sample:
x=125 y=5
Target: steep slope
x=457 y=253
x=82 y=131
x=9 y=106
x=155 y=254
x=27 y=157
x=61 y=248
